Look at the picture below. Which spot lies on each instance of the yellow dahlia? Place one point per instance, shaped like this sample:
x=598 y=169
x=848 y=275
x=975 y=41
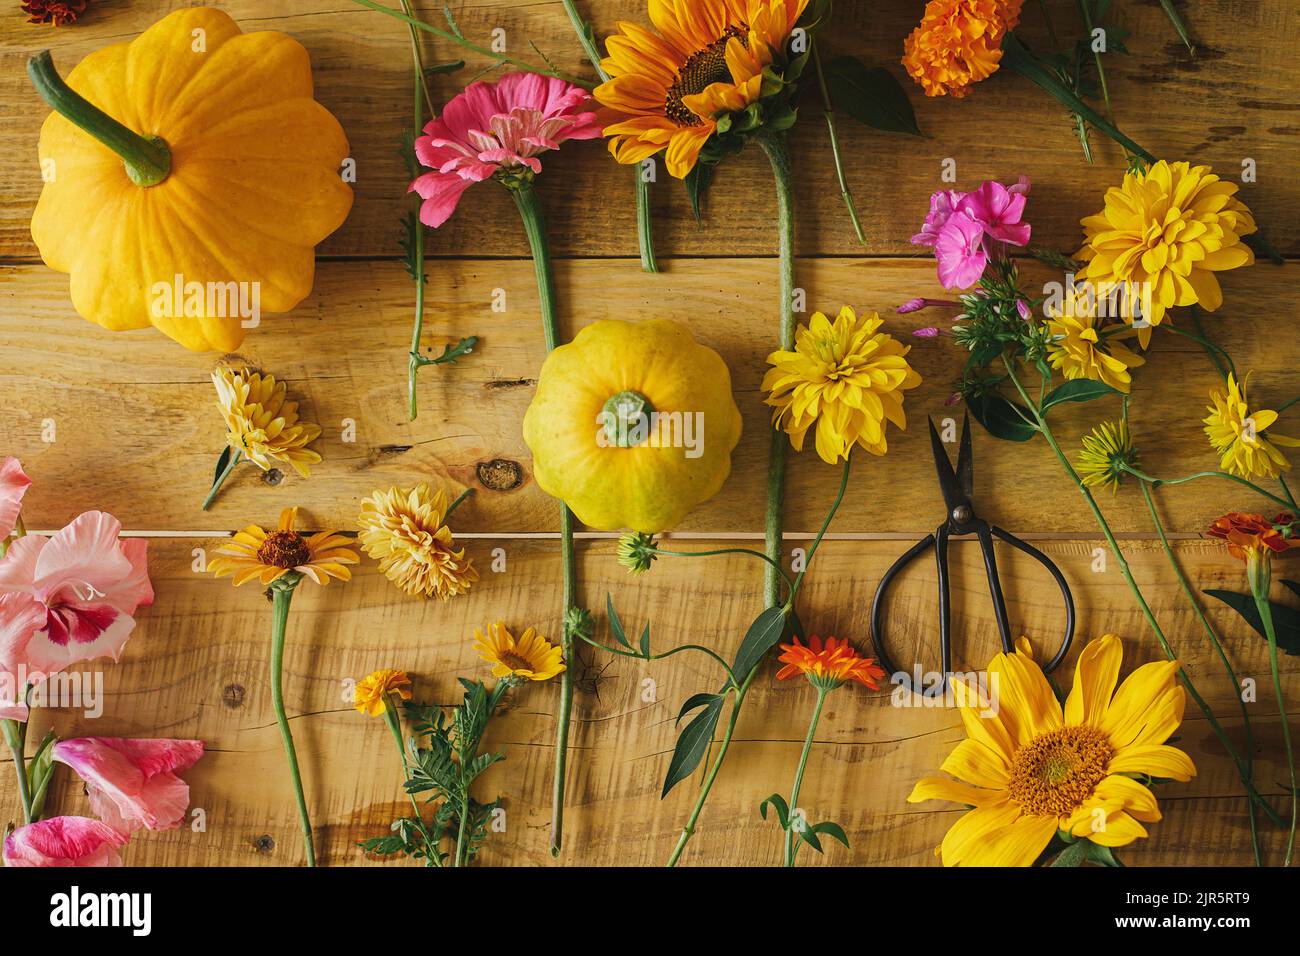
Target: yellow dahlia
x=370 y=696
x=530 y=657
x=256 y=554
x=1237 y=434
x=260 y=425
x=667 y=88
x=959 y=42
x=1030 y=768
x=405 y=530
x=1081 y=347
x=1166 y=232
x=845 y=377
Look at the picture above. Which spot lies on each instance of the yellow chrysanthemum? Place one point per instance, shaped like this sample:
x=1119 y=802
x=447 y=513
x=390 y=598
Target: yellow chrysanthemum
x=404 y=530
x=1105 y=453
x=370 y=696
x=531 y=657
x=1167 y=231
x=1030 y=768
x=1081 y=347
x=260 y=424
x=706 y=58
x=958 y=43
x=1237 y=434
x=255 y=554
x=845 y=377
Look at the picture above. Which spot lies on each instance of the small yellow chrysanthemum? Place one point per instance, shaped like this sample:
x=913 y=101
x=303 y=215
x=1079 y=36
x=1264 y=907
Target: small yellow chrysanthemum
x=1105 y=452
x=255 y=554
x=1167 y=230
x=846 y=378
x=1081 y=347
x=1030 y=768
x=958 y=43
x=531 y=657
x=370 y=696
x=260 y=424
x=1238 y=434
x=404 y=530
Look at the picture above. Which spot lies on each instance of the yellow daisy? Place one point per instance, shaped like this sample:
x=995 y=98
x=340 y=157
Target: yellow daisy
x=1030 y=768
x=1168 y=230
x=1078 y=349
x=667 y=88
x=404 y=530
x=255 y=554
x=1105 y=453
x=531 y=657
x=260 y=425
x=370 y=696
x=845 y=377
x=1238 y=434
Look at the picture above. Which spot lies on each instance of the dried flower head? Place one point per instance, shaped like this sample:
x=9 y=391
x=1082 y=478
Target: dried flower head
x=405 y=530
x=58 y=12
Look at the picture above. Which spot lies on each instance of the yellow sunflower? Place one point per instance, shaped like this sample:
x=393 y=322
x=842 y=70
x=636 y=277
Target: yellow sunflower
x=1167 y=231
x=1237 y=434
x=404 y=529
x=531 y=657
x=845 y=377
x=255 y=554
x=260 y=425
x=667 y=88
x=1078 y=349
x=370 y=696
x=1029 y=768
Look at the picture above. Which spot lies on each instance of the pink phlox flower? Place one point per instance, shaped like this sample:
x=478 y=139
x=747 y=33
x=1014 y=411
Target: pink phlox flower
x=960 y=253
x=998 y=210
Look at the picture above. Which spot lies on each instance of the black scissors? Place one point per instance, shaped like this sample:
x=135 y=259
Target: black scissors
x=962 y=519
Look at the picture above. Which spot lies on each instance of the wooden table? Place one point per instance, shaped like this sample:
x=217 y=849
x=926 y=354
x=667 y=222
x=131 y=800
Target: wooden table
x=137 y=432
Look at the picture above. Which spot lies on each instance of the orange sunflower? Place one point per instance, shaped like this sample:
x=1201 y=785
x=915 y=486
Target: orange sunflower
x=707 y=58
x=255 y=554
x=828 y=663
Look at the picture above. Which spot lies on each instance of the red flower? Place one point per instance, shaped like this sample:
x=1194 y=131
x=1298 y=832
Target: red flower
x=828 y=664
x=58 y=12
x=1247 y=533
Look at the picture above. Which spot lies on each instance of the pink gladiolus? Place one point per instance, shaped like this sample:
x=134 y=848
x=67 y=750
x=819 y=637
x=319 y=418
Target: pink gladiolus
x=88 y=585
x=64 y=841
x=960 y=253
x=943 y=203
x=998 y=210
x=493 y=127
x=13 y=485
x=133 y=783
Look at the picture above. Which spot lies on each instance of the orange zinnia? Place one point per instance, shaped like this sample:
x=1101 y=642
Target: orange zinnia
x=1249 y=534
x=828 y=664
x=707 y=58
x=959 y=42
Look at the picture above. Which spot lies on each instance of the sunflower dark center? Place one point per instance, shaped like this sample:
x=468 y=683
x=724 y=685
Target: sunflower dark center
x=284 y=549
x=1055 y=772
x=701 y=68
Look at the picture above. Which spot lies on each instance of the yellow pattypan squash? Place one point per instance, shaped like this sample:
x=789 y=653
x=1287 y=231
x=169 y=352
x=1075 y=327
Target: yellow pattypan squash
x=189 y=175
x=633 y=424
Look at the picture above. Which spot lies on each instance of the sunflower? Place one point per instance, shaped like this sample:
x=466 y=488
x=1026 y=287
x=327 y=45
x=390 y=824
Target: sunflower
x=1238 y=434
x=531 y=657
x=1106 y=455
x=268 y=556
x=845 y=377
x=828 y=664
x=1030 y=769
x=370 y=696
x=707 y=58
x=1166 y=232
x=1080 y=348
x=405 y=530
x=261 y=426
x=958 y=43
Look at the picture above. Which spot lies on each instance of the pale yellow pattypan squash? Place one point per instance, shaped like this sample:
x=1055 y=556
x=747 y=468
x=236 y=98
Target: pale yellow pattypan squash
x=189 y=175
x=633 y=424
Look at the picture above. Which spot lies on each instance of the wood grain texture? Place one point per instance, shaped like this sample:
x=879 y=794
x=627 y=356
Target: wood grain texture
x=196 y=667
x=1236 y=99
x=143 y=410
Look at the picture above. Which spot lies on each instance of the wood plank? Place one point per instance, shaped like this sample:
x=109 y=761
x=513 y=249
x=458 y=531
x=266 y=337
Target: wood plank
x=137 y=431
x=1215 y=108
x=196 y=667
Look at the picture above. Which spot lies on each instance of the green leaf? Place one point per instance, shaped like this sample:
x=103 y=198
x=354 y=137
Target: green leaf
x=222 y=463
x=871 y=95
x=697 y=183
x=450 y=352
x=1001 y=418
x=615 y=625
x=1177 y=20
x=809 y=836
x=645 y=641
x=451 y=66
x=1286 y=620
x=762 y=634
x=779 y=805
x=694 y=701
x=691 y=744
x=1073 y=855
x=832 y=830
x=1077 y=390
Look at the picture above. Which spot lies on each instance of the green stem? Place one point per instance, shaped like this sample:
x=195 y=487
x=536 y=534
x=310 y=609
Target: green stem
x=15 y=734
x=716 y=551
x=394 y=724
x=1159 y=482
x=417 y=254
x=236 y=456
x=282 y=595
x=821 y=533
x=456 y=504
x=1218 y=355
x=798 y=774
x=148 y=161
x=828 y=111
x=773 y=144
x=621 y=652
x=1259 y=588
x=462 y=845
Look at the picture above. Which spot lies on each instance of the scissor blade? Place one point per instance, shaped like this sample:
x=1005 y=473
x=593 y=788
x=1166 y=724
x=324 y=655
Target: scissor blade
x=965 y=462
x=952 y=496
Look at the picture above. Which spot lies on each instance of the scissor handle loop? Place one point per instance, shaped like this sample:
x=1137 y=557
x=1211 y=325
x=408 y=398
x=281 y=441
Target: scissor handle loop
x=1056 y=574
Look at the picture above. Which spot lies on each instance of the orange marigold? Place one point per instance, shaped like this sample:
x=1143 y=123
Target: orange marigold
x=959 y=42
x=1247 y=533
x=829 y=663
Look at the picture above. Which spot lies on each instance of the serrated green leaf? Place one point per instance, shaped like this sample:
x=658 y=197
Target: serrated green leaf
x=871 y=95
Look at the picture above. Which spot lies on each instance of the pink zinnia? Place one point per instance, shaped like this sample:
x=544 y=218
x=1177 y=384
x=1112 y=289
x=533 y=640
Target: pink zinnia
x=492 y=127
x=13 y=485
x=64 y=841
x=133 y=783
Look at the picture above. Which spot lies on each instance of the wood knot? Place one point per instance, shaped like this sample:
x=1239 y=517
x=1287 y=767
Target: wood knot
x=232 y=695
x=273 y=476
x=500 y=474
x=264 y=844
